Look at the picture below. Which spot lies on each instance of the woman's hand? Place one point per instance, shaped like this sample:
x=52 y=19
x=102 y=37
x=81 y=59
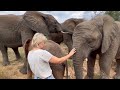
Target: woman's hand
x=57 y=60
x=72 y=51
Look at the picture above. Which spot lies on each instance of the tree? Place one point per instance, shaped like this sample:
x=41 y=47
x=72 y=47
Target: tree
x=114 y=14
x=91 y=14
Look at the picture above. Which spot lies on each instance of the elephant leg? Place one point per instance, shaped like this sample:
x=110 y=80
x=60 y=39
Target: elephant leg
x=26 y=37
x=105 y=63
x=69 y=45
x=23 y=70
x=58 y=70
x=90 y=66
x=29 y=72
x=17 y=54
x=117 y=75
x=66 y=67
x=105 y=66
x=5 y=56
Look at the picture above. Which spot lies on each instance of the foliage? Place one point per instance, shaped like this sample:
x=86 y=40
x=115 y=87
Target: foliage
x=114 y=14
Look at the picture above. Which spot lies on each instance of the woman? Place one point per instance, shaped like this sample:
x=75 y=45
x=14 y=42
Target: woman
x=39 y=59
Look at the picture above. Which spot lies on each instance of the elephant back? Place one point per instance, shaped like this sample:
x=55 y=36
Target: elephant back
x=9 y=21
x=54 y=48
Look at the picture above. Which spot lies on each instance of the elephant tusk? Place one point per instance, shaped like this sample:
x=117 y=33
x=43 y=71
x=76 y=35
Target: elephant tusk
x=64 y=32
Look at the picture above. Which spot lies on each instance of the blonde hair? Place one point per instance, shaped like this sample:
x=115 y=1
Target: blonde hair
x=38 y=38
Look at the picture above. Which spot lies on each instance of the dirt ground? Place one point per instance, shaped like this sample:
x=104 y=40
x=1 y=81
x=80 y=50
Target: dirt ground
x=12 y=71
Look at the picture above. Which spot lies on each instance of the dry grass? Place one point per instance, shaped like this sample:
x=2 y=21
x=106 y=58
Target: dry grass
x=12 y=71
x=97 y=69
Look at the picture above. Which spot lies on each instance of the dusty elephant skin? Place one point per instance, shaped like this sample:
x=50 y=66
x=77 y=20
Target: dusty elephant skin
x=58 y=69
x=16 y=30
x=55 y=49
x=65 y=37
x=101 y=35
x=68 y=28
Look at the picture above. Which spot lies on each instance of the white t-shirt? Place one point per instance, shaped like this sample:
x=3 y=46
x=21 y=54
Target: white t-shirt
x=39 y=63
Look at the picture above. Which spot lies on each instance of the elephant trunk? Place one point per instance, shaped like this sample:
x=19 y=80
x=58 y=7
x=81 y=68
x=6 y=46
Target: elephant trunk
x=81 y=54
x=78 y=65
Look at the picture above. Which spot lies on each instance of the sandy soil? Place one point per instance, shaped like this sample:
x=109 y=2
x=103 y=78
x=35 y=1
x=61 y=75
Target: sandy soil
x=12 y=71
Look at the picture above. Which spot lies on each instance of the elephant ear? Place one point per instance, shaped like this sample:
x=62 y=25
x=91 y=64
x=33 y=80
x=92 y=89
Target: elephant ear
x=70 y=24
x=36 y=21
x=77 y=21
x=109 y=32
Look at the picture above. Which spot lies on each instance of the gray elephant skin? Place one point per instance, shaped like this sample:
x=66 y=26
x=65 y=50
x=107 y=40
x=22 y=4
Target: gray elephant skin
x=58 y=70
x=68 y=28
x=65 y=37
x=100 y=35
x=15 y=30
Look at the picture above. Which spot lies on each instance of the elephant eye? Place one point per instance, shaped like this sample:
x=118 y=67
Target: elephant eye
x=91 y=42
x=88 y=38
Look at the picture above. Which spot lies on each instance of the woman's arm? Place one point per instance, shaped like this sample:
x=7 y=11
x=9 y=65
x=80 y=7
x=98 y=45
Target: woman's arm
x=57 y=60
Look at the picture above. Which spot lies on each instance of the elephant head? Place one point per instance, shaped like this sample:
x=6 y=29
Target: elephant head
x=68 y=28
x=42 y=23
x=92 y=35
x=70 y=24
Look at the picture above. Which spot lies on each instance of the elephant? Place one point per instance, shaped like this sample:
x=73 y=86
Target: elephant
x=15 y=30
x=68 y=28
x=100 y=35
x=54 y=48
x=58 y=69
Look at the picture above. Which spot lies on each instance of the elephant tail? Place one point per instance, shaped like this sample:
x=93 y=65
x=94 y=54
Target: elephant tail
x=27 y=46
x=66 y=65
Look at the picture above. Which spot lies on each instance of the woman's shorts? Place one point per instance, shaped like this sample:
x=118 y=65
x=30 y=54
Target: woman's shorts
x=49 y=77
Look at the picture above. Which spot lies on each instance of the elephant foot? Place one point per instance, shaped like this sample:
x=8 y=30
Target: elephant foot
x=18 y=59
x=6 y=63
x=87 y=77
x=29 y=77
x=116 y=77
x=23 y=70
x=67 y=77
x=104 y=77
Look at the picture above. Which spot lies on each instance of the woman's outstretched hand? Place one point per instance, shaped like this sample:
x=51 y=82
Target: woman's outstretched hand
x=72 y=52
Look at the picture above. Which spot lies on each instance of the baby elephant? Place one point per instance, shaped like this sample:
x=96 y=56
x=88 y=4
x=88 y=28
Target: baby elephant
x=55 y=49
